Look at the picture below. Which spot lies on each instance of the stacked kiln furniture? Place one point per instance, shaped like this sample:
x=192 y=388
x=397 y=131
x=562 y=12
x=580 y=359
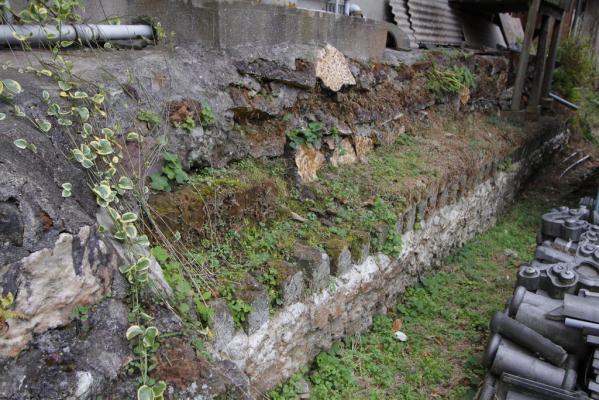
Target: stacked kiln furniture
x=545 y=345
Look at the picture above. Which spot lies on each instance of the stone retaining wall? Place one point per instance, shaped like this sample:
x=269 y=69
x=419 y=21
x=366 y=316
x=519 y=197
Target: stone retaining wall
x=447 y=218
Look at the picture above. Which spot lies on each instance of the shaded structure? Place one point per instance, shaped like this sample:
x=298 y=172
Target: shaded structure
x=551 y=13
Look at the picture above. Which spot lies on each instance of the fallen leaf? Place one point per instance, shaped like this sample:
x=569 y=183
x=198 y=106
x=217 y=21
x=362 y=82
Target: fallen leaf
x=397 y=325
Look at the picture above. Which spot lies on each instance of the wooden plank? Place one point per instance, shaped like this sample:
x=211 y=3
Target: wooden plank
x=523 y=60
x=550 y=66
x=543 y=47
x=512 y=29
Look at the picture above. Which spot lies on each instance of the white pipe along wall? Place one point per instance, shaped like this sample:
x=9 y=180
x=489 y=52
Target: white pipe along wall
x=40 y=34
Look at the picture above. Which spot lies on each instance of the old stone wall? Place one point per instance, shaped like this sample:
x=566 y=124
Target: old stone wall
x=347 y=301
x=54 y=260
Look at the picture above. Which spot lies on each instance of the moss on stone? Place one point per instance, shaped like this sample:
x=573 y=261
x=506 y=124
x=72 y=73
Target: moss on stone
x=334 y=248
x=359 y=240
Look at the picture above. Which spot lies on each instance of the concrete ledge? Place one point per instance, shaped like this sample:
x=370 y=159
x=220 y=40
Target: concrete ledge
x=233 y=24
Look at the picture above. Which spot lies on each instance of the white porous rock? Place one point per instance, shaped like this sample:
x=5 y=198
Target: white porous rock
x=333 y=69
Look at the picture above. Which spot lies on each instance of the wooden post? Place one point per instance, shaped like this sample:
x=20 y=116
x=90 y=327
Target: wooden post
x=535 y=92
x=531 y=22
x=550 y=66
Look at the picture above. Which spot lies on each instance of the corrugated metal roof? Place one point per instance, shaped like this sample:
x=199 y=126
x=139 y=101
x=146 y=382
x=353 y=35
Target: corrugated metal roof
x=430 y=21
x=400 y=11
x=435 y=21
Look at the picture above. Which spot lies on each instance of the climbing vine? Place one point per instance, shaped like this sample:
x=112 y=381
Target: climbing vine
x=80 y=111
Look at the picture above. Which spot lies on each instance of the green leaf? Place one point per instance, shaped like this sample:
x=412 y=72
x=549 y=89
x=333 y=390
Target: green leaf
x=21 y=143
x=128 y=217
x=114 y=214
x=79 y=95
x=133 y=137
x=159 y=389
x=151 y=333
x=7 y=300
x=64 y=122
x=64 y=86
x=19 y=112
x=102 y=147
x=43 y=125
x=160 y=254
x=98 y=98
x=107 y=132
x=12 y=86
x=145 y=393
x=181 y=176
x=131 y=231
x=143 y=241
x=83 y=113
x=143 y=263
x=125 y=183
x=133 y=332
x=160 y=183
x=167 y=156
x=21 y=38
x=87 y=163
x=54 y=110
x=87 y=130
x=103 y=191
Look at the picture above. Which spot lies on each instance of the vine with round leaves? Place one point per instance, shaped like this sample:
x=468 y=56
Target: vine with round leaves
x=100 y=154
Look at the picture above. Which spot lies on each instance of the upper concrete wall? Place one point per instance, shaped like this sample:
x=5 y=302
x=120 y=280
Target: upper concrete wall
x=231 y=24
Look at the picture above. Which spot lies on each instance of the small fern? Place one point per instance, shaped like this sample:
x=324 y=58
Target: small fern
x=5 y=312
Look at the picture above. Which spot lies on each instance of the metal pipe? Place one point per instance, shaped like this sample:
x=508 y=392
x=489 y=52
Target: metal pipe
x=509 y=358
x=528 y=338
x=5 y=10
x=568 y=338
x=487 y=390
x=41 y=34
x=563 y=101
x=521 y=295
x=588 y=327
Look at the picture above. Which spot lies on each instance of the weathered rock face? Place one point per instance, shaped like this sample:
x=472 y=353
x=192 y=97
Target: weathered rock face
x=51 y=255
x=49 y=283
x=73 y=363
x=32 y=211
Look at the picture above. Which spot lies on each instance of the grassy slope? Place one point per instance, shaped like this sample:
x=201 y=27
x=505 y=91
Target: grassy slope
x=445 y=318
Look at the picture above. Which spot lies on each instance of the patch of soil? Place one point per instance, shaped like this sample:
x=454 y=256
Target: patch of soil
x=178 y=364
x=179 y=111
x=574 y=169
x=198 y=212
